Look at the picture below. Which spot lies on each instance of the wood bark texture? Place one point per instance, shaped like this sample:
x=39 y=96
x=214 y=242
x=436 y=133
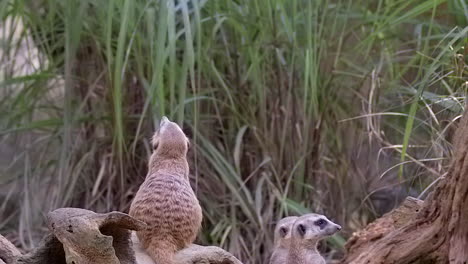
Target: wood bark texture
x=433 y=231
x=81 y=236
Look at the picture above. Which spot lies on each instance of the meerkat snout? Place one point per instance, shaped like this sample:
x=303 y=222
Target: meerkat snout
x=164 y=119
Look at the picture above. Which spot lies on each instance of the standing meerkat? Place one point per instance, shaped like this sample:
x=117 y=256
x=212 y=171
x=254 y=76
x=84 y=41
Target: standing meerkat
x=282 y=240
x=306 y=232
x=165 y=201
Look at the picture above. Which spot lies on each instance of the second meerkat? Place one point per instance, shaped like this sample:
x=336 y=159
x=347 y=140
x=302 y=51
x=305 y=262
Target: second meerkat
x=165 y=201
x=306 y=232
x=282 y=240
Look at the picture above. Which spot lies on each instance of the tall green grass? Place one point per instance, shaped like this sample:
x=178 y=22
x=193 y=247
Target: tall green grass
x=292 y=106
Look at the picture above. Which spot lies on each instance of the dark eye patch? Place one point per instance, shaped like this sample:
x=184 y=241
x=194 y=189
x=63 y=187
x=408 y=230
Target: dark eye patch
x=301 y=229
x=155 y=145
x=283 y=231
x=155 y=140
x=322 y=223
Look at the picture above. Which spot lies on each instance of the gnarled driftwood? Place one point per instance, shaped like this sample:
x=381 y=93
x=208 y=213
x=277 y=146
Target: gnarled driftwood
x=81 y=236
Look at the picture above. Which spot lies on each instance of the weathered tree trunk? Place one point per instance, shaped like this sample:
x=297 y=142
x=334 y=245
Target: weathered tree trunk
x=433 y=231
x=83 y=237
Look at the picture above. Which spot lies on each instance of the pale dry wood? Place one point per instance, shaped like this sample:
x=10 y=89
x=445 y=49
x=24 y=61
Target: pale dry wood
x=81 y=236
x=205 y=255
x=194 y=254
x=89 y=237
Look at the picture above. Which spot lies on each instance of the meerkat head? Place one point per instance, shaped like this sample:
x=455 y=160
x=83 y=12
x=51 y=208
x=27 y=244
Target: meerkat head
x=311 y=228
x=283 y=231
x=169 y=140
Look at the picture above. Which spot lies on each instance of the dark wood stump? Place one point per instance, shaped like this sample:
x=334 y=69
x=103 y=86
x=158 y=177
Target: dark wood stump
x=433 y=231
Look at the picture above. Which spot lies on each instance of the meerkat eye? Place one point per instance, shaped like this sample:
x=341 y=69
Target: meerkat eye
x=321 y=223
x=283 y=231
x=301 y=229
x=155 y=143
x=155 y=140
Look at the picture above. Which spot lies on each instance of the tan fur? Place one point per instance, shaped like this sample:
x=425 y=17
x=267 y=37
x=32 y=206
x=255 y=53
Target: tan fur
x=165 y=200
x=303 y=248
x=141 y=256
x=282 y=240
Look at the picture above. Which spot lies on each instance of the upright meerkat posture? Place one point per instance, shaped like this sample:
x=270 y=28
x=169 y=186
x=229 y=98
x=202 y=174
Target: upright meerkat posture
x=282 y=240
x=306 y=232
x=165 y=201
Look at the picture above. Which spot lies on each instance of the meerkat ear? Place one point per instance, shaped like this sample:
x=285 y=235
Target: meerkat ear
x=283 y=231
x=301 y=229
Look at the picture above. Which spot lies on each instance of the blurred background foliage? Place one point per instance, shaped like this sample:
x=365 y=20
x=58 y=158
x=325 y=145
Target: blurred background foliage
x=341 y=107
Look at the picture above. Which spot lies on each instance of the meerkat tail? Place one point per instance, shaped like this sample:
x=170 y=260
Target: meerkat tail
x=162 y=252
